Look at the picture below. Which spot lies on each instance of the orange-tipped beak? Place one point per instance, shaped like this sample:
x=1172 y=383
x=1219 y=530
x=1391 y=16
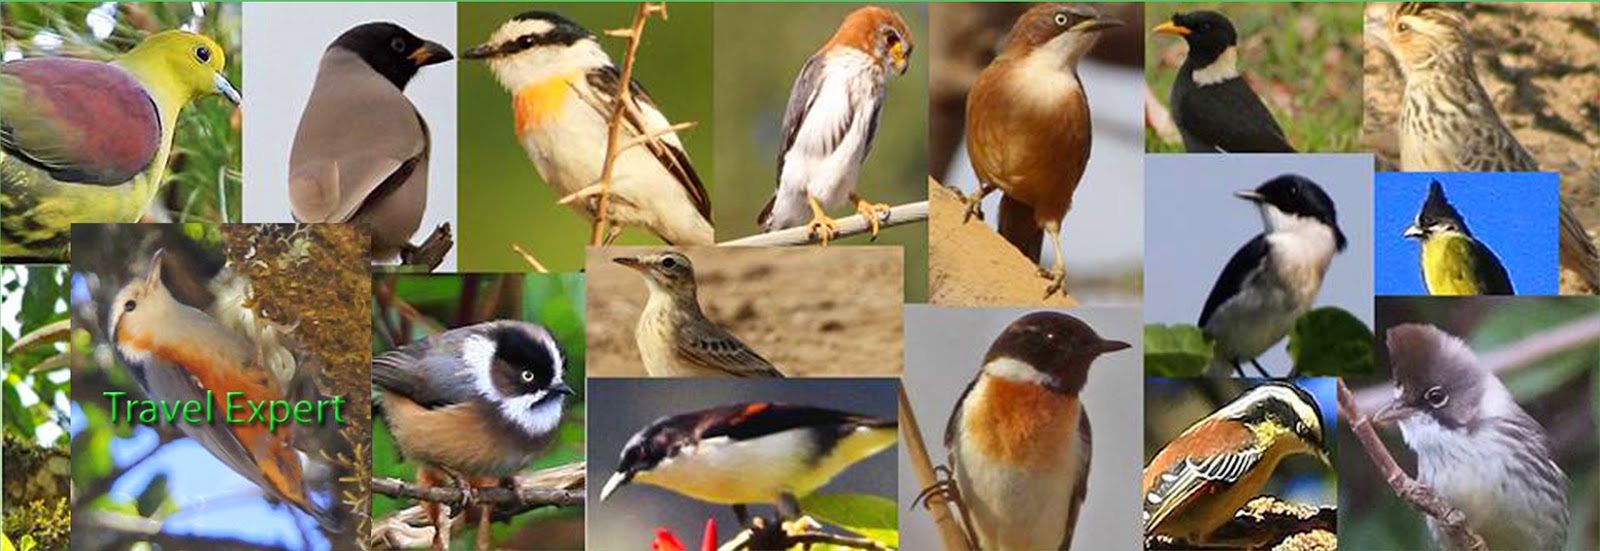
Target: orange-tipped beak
x=1171 y=28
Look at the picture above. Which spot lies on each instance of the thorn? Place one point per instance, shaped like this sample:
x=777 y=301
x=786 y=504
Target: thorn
x=620 y=33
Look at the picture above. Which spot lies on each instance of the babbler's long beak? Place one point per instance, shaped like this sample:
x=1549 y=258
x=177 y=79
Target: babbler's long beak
x=1170 y=28
x=480 y=51
x=1392 y=413
x=226 y=88
x=629 y=261
x=1412 y=232
x=430 y=53
x=1094 y=25
x=617 y=481
x=1249 y=195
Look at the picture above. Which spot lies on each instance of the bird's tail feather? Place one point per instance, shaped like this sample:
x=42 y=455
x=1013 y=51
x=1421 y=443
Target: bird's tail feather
x=1018 y=226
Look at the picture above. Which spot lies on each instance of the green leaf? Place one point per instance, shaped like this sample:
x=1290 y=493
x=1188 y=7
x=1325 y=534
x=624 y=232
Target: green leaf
x=868 y=515
x=1331 y=342
x=1177 y=350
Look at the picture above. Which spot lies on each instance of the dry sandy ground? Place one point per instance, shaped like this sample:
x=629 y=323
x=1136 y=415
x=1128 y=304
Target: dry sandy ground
x=1539 y=63
x=970 y=265
x=811 y=311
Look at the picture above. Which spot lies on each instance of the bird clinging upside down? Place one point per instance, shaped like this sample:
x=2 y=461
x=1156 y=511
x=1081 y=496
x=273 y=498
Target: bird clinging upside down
x=1213 y=106
x=1028 y=128
x=831 y=120
x=176 y=352
x=1448 y=123
x=88 y=142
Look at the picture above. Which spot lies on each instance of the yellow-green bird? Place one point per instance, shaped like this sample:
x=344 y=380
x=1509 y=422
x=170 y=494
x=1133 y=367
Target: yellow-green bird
x=1454 y=262
x=87 y=141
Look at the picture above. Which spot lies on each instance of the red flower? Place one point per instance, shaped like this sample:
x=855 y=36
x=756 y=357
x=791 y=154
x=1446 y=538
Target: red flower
x=665 y=541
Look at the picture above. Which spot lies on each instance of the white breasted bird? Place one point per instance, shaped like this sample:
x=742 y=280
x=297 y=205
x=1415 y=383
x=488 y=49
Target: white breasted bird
x=564 y=89
x=1019 y=438
x=1274 y=278
x=361 y=151
x=742 y=454
x=1475 y=446
x=831 y=119
x=674 y=336
x=478 y=401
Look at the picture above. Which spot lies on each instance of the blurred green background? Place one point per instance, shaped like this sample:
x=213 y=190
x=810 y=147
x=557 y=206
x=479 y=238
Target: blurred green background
x=502 y=198
x=36 y=416
x=451 y=300
x=1303 y=59
x=1561 y=391
x=760 y=49
x=203 y=173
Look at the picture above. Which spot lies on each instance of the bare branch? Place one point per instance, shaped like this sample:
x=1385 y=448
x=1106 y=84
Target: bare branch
x=528 y=257
x=624 y=99
x=848 y=226
x=1451 y=520
x=522 y=497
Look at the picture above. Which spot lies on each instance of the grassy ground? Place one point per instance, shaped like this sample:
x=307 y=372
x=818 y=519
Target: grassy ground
x=1304 y=60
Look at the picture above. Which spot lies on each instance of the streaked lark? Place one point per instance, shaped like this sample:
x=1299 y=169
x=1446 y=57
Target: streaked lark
x=675 y=338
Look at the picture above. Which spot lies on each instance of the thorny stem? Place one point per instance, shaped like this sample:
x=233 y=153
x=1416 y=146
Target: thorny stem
x=624 y=99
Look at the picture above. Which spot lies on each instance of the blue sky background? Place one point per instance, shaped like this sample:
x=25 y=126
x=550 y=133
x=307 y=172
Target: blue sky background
x=1513 y=213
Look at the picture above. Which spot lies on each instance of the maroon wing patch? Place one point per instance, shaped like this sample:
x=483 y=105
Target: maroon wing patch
x=82 y=121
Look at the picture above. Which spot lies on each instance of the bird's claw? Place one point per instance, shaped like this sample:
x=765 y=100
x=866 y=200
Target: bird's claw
x=876 y=214
x=974 y=208
x=822 y=228
x=1058 y=282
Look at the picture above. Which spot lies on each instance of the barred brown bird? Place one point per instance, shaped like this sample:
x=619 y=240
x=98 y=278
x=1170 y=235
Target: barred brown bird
x=1448 y=122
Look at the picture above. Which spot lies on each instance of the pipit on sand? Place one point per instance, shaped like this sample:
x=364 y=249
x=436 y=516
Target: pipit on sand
x=675 y=338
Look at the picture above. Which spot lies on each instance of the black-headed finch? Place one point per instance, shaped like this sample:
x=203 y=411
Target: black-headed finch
x=476 y=402
x=831 y=119
x=564 y=89
x=1198 y=481
x=1028 y=128
x=1019 y=441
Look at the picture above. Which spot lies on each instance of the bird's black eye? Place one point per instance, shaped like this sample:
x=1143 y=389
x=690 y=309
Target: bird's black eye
x=527 y=376
x=1404 y=27
x=129 y=306
x=1061 y=19
x=669 y=263
x=398 y=44
x=203 y=53
x=1436 y=397
x=526 y=41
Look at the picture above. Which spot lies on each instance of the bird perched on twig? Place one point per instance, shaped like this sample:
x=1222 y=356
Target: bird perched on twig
x=1275 y=277
x=88 y=142
x=1213 y=106
x=1199 y=480
x=564 y=90
x=1019 y=439
x=743 y=454
x=1475 y=446
x=1448 y=123
x=1028 y=128
x=481 y=401
x=361 y=151
x=675 y=338
x=831 y=120
x=178 y=353
x=1453 y=261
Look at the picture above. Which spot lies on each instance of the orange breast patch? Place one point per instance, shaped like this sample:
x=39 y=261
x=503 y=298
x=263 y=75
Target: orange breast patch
x=1020 y=424
x=537 y=103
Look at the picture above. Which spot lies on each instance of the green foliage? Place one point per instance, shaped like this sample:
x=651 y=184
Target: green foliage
x=203 y=172
x=870 y=516
x=37 y=371
x=1177 y=350
x=1310 y=52
x=1331 y=342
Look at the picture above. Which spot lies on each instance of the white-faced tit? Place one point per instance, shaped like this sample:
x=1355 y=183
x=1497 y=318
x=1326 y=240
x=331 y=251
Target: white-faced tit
x=741 y=454
x=1275 y=277
x=1475 y=446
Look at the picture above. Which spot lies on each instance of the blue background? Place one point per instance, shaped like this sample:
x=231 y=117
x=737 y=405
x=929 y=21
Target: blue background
x=1513 y=213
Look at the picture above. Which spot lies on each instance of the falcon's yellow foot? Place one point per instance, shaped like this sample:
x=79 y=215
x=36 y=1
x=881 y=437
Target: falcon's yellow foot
x=875 y=213
x=820 y=226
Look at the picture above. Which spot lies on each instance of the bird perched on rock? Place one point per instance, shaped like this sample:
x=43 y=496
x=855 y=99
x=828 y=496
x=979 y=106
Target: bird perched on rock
x=179 y=354
x=1028 y=131
x=361 y=152
x=1019 y=439
x=1475 y=446
x=675 y=338
x=481 y=401
x=1199 y=480
x=1448 y=123
x=1453 y=261
x=1213 y=106
x=1274 y=278
x=88 y=142
x=564 y=90
x=831 y=120
x=743 y=454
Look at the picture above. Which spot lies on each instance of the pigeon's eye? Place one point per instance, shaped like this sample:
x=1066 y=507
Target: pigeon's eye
x=398 y=44
x=1436 y=397
x=527 y=376
x=1061 y=19
x=129 y=306
x=669 y=263
x=203 y=53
